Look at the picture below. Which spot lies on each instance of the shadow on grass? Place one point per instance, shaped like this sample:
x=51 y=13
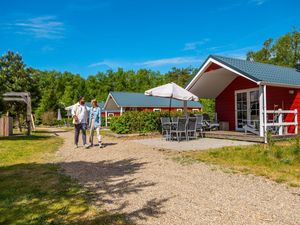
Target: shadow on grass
x=40 y=194
x=48 y=131
x=22 y=137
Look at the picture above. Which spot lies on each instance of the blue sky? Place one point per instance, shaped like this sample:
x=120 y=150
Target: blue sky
x=89 y=36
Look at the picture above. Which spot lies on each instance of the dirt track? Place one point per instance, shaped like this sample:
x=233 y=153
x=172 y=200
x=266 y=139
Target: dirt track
x=153 y=189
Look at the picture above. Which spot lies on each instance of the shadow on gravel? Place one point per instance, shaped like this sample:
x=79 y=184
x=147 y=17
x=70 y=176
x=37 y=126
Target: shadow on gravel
x=108 y=181
x=33 y=193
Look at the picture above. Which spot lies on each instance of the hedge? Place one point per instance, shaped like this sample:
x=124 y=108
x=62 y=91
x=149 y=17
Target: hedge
x=138 y=122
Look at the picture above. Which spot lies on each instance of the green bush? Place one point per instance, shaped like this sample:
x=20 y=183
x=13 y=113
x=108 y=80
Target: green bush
x=138 y=122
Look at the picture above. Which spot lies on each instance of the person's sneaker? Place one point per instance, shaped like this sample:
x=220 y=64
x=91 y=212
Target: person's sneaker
x=86 y=146
x=75 y=146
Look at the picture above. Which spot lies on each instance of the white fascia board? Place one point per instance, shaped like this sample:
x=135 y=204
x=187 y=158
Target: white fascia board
x=189 y=86
x=209 y=61
x=108 y=97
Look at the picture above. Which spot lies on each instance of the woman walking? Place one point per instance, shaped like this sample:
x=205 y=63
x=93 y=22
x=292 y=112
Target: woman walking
x=95 y=123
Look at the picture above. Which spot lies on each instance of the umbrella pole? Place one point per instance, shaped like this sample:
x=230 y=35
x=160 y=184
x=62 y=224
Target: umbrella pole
x=170 y=107
x=185 y=107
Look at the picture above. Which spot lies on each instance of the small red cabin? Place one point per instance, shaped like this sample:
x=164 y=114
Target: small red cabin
x=250 y=96
x=131 y=101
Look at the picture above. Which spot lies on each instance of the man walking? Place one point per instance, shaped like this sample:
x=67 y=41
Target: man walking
x=80 y=117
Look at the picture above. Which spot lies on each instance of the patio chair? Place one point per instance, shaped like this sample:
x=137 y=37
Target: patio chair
x=180 y=129
x=209 y=124
x=174 y=119
x=191 y=128
x=200 y=125
x=165 y=127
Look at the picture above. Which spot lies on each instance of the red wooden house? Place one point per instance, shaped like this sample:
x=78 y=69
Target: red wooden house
x=250 y=95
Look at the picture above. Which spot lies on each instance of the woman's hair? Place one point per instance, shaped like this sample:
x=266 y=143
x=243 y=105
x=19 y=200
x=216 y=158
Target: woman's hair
x=94 y=101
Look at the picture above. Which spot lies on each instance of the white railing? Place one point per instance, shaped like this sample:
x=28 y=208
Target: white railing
x=279 y=121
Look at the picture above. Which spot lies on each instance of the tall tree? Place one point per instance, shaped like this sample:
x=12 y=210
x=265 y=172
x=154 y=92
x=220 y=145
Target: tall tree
x=14 y=76
x=285 y=51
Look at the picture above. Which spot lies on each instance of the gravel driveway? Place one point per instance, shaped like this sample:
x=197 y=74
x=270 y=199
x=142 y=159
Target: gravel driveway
x=150 y=188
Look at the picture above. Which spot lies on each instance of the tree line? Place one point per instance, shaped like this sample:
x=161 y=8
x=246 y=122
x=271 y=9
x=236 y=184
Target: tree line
x=51 y=90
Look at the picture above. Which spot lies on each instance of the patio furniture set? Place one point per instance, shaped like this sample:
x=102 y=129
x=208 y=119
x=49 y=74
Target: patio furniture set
x=188 y=127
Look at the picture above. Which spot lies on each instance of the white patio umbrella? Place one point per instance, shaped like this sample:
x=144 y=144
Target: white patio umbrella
x=172 y=90
x=59 y=115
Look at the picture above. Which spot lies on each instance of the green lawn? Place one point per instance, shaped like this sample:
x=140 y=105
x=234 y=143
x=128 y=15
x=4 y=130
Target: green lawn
x=34 y=191
x=279 y=161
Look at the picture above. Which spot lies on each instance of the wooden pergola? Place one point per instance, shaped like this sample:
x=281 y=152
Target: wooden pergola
x=22 y=97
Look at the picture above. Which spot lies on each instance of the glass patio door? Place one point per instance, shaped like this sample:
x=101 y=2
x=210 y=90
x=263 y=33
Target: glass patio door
x=247 y=108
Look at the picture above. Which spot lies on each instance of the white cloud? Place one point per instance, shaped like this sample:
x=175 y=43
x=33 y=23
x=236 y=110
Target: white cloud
x=43 y=27
x=238 y=4
x=240 y=53
x=171 y=61
x=194 y=45
x=257 y=2
x=149 y=63
x=108 y=63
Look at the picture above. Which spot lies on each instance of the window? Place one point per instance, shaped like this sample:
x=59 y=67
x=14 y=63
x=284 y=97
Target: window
x=179 y=110
x=111 y=114
x=156 y=110
x=195 y=110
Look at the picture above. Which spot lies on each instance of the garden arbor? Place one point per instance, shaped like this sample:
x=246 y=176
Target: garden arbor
x=22 y=97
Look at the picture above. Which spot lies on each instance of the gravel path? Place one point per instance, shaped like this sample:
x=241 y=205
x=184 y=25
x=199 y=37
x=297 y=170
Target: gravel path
x=152 y=189
x=199 y=144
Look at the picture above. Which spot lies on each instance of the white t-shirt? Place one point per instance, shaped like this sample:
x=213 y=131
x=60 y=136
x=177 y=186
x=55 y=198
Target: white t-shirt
x=82 y=115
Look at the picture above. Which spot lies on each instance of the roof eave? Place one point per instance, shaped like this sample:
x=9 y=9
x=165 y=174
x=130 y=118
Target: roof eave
x=278 y=84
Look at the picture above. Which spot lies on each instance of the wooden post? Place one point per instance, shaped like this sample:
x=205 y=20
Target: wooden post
x=280 y=120
x=265 y=112
x=6 y=126
x=261 y=111
x=106 y=122
x=28 y=118
x=296 y=121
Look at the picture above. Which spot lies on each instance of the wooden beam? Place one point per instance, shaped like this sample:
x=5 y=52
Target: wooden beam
x=14 y=99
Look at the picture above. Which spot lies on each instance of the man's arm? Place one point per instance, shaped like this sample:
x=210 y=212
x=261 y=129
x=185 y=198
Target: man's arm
x=74 y=109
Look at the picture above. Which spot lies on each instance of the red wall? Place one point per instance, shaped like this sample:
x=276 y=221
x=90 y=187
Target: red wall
x=225 y=105
x=115 y=114
x=277 y=97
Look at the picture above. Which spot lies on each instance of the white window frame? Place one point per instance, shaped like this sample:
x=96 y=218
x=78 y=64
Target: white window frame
x=179 y=110
x=110 y=114
x=195 y=110
x=247 y=91
x=157 y=110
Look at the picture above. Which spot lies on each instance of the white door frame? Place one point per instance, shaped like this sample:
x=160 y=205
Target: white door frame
x=248 y=105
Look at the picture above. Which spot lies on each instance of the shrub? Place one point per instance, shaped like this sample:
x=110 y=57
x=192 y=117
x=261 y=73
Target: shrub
x=138 y=122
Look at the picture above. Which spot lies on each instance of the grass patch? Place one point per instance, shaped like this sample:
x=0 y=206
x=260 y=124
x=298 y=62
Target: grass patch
x=34 y=191
x=279 y=161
